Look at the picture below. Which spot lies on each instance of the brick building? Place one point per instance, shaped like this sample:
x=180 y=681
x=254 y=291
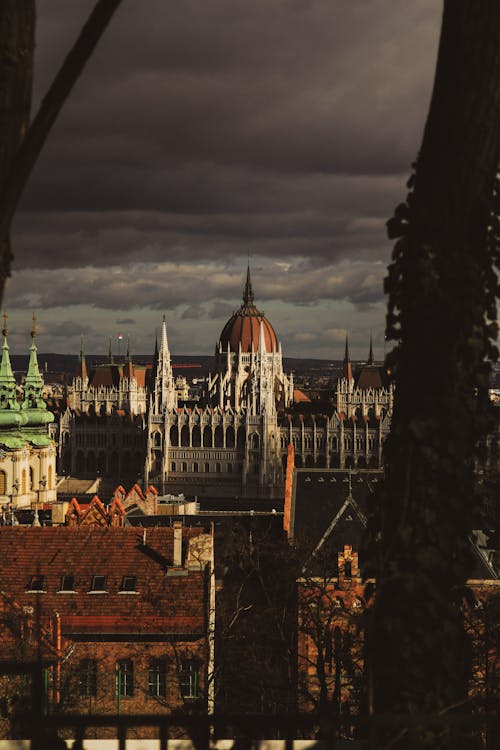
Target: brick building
x=325 y=519
x=121 y=615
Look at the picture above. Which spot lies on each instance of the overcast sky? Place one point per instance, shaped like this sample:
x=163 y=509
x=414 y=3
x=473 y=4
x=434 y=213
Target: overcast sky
x=205 y=131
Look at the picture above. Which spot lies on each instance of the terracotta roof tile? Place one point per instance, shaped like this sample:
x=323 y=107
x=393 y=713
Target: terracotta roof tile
x=163 y=603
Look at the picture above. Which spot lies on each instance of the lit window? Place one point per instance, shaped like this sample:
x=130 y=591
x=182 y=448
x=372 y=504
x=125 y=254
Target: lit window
x=98 y=583
x=67 y=583
x=124 y=677
x=87 y=681
x=189 y=679
x=36 y=583
x=157 y=678
x=129 y=583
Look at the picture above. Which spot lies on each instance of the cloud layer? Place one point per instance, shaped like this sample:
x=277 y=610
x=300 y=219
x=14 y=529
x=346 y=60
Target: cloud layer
x=203 y=133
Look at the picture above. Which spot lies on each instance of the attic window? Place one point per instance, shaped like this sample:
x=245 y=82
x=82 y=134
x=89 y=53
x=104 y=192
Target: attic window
x=129 y=583
x=67 y=583
x=98 y=583
x=36 y=583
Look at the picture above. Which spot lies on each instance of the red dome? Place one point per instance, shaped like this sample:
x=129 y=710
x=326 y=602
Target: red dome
x=243 y=327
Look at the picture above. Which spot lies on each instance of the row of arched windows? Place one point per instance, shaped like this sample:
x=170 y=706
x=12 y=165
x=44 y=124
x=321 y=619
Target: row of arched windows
x=196 y=437
x=27 y=482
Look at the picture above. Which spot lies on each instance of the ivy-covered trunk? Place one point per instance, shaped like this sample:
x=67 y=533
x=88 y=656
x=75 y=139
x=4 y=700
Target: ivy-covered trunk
x=441 y=312
x=17 y=46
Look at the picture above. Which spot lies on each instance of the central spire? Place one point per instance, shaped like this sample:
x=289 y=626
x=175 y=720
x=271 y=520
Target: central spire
x=248 y=292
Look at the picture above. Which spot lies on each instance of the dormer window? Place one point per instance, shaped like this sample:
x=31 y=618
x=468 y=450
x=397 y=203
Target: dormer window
x=98 y=584
x=67 y=583
x=36 y=583
x=129 y=583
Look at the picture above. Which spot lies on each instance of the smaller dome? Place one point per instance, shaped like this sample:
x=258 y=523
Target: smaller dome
x=243 y=327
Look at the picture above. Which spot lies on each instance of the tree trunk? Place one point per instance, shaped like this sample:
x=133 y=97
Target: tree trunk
x=442 y=288
x=17 y=34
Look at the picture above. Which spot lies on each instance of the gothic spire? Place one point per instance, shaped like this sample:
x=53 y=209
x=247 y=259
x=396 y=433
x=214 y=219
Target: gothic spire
x=371 y=358
x=33 y=384
x=165 y=395
x=7 y=380
x=347 y=367
x=83 y=362
x=248 y=292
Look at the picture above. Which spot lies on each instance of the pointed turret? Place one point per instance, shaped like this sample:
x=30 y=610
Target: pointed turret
x=248 y=291
x=371 y=358
x=347 y=367
x=83 y=363
x=129 y=365
x=262 y=340
x=8 y=398
x=165 y=395
x=34 y=405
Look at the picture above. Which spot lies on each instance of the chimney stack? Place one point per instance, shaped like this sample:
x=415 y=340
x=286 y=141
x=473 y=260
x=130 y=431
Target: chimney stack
x=178 y=544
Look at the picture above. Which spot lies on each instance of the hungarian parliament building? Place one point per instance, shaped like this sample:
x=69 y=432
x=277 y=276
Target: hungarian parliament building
x=124 y=420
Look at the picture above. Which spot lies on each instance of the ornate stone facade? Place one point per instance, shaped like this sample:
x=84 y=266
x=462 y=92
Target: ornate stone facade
x=124 y=420
x=27 y=453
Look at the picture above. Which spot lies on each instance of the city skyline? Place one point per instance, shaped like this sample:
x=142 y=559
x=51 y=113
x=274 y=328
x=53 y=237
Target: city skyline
x=284 y=131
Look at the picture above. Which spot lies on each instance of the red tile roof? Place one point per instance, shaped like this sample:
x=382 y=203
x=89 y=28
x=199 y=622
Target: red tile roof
x=164 y=603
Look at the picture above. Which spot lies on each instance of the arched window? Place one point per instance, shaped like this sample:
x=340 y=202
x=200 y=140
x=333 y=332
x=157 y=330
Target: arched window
x=230 y=437
x=196 y=436
x=185 y=436
x=32 y=478
x=157 y=439
x=207 y=467
x=255 y=441
x=207 y=437
x=174 y=435
x=218 y=437
x=241 y=437
x=23 y=482
x=50 y=478
x=3 y=483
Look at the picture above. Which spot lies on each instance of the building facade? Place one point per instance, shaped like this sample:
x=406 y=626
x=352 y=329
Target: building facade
x=125 y=420
x=27 y=453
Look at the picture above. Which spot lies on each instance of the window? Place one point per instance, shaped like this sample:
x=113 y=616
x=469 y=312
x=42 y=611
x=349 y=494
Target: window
x=125 y=677
x=23 y=482
x=195 y=468
x=217 y=468
x=157 y=678
x=67 y=583
x=347 y=569
x=3 y=482
x=98 y=583
x=184 y=466
x=36 y=583
x=87 y=681
x=207 y=467
x=189 y=679
x=173 y=466
x=129 y=583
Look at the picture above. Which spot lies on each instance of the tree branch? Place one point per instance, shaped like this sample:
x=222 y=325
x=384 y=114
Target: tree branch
x=37 y=133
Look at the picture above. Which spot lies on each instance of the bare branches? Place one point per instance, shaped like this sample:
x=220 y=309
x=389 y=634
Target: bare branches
x=22 y=163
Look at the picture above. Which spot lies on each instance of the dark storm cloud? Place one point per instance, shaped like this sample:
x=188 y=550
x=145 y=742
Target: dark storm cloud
x=203 y=132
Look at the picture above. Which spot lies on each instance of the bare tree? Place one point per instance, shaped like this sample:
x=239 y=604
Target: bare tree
x=22 y=142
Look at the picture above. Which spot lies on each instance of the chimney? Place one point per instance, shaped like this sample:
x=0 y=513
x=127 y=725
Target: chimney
x=177 y=544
